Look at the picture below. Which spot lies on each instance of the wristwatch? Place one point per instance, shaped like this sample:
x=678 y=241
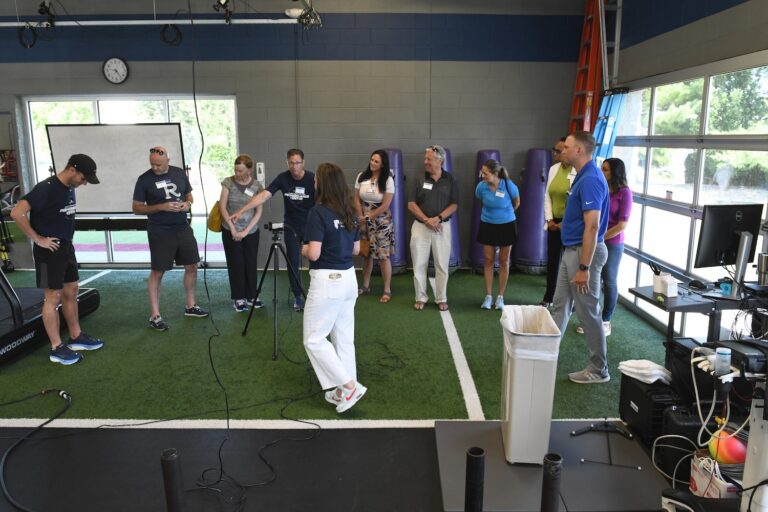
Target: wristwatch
x=583 y=266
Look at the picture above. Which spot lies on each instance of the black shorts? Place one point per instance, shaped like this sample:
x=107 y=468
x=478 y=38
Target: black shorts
x=173 y=246
x=497 y=235
x=54 y=268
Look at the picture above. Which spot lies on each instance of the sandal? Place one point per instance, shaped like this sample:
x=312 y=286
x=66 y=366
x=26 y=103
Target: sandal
x=418 y=306
x=385 y=297
x=442 y=306
x=364 y=291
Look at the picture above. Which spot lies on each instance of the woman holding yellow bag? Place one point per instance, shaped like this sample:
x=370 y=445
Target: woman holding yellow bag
x=241 y=238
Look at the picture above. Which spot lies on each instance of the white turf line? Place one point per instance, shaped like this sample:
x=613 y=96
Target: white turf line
x=94 y=277
x=468 y=389
x=113 y=424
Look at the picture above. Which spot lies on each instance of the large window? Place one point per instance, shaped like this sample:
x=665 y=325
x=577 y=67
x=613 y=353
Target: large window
x=686 y=144
x=218 y=123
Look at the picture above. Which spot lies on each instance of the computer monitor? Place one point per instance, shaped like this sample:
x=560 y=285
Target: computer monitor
x=728 y=236
x=720 y=234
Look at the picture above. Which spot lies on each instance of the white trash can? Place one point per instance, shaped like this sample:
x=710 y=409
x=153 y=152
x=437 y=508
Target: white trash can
x=531 y=346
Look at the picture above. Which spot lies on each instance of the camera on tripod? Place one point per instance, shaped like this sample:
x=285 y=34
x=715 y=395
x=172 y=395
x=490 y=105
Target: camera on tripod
x=274 y=226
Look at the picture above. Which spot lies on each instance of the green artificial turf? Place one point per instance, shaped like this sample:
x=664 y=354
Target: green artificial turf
x=403 y=356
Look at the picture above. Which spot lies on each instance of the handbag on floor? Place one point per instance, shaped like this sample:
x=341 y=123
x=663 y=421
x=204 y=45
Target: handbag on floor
x=214 y=218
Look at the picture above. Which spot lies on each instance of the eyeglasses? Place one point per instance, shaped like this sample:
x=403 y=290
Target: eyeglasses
x=156 y=151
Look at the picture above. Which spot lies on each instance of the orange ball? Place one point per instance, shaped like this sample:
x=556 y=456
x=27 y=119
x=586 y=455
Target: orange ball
x=727 y=450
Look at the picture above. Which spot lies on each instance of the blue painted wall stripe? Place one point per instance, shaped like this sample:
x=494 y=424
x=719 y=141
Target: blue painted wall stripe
x=441 y=37
x=644 y=19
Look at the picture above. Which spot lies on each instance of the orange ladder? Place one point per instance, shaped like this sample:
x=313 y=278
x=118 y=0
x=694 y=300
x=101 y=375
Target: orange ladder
x=589 y=75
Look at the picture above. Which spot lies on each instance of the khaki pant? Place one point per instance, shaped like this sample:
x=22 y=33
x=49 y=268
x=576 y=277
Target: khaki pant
x=423 y=242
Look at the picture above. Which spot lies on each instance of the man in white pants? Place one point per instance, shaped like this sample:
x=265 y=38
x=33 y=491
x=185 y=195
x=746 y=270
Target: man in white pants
x=432 y=198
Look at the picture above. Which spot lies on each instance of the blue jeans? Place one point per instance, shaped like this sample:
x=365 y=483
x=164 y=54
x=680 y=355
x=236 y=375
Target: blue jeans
x=610 y=283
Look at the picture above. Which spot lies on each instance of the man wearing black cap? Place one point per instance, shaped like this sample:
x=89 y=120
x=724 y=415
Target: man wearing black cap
x=51 y=228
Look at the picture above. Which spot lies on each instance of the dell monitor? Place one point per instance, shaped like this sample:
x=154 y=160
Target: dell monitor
x=728 y=236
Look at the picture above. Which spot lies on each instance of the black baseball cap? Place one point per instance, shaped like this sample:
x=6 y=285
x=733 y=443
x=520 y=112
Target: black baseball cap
x=85 y=165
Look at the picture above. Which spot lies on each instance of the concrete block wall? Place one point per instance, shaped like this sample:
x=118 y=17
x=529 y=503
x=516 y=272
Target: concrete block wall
x=335 y=102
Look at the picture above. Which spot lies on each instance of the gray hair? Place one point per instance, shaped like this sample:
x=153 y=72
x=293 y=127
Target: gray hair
x=439 y=152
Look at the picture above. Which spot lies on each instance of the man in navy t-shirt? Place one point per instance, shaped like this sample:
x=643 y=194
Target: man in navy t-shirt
x=164 y=195
x=51 y=229
x=584 y=254
x=298 y=188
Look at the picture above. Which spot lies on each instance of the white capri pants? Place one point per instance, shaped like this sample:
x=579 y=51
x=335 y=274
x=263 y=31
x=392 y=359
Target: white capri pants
x=330 y=310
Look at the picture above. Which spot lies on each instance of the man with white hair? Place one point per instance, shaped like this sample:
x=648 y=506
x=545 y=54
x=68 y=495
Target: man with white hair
x=164 y=195
x=433 y=196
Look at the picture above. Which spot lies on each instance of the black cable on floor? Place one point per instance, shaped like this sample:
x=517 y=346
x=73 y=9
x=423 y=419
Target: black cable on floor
x=68 y=399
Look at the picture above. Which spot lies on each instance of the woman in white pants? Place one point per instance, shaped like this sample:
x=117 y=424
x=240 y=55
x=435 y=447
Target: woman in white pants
x=332 y=238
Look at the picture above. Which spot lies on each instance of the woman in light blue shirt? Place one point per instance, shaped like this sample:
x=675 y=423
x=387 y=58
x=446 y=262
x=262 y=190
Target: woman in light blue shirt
x=500 y=198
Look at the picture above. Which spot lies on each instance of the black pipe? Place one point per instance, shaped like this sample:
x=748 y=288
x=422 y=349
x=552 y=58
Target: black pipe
x=475 y=480
x=172 y=480
x=550 y=484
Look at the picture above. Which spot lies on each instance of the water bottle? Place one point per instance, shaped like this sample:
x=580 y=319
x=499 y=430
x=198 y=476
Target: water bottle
x=722 y=361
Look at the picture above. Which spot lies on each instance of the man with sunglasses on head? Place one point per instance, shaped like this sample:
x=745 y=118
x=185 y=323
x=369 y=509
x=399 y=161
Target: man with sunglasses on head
x=51 y=228
x=298 y=188
x=164 y=195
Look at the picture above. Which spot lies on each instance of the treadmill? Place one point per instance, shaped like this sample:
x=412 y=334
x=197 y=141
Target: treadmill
x=21 y=318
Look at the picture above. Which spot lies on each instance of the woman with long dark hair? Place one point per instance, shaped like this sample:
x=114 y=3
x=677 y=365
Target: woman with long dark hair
x=374 y=190
x=241 y=237
x=332 y=238
x=500 y=198
x=621 y=206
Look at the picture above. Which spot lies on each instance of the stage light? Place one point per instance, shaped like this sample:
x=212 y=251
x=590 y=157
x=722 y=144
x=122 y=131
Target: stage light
x=224 y=4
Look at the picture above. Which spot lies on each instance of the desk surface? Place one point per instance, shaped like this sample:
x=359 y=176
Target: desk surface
x=689 y=303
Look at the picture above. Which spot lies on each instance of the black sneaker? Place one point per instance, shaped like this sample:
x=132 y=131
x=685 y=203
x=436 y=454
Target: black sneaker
x=241 y=306
x=256 y=303
x=85 y=342
x=298 y=304
x=195 y=311
x=158 y=323
x=64 y=355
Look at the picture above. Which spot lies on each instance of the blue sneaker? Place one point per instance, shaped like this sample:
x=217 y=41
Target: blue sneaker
x=85 y=342
x=298 y=303
x=487 y=301
x=241 y=306
x=64 y=355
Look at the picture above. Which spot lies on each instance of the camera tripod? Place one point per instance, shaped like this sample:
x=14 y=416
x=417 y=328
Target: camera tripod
x=274 y=251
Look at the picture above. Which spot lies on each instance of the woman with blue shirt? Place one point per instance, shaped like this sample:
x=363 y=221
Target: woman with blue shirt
x=331 y=239
x=498 y=228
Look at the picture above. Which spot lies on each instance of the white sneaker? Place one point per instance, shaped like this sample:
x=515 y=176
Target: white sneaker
x=580 y=329
x=332 y=397
x=487 y=301
x=499 y=302
x=588 y=377
x=350 y=397
x=607 y=328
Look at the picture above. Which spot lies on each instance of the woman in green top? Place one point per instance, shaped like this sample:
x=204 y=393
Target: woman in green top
x=561 y=177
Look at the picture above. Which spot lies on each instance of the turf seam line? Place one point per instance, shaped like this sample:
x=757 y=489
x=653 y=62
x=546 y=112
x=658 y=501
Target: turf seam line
x=239 y=424
x=467 y=383
x=93 y=278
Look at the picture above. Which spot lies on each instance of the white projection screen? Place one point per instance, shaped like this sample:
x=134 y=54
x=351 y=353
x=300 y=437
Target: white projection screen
x=121 y=153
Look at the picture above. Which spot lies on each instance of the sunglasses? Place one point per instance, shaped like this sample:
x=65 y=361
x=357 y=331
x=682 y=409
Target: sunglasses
x=157 y=151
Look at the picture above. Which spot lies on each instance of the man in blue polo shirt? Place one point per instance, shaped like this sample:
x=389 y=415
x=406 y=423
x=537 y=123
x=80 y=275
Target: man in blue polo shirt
x=584 y=254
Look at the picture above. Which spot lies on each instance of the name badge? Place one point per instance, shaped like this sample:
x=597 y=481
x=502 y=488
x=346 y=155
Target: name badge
x=160 y=184
x=499 y=193
x=427 y=186
x=299 y=190
x=249 y=192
